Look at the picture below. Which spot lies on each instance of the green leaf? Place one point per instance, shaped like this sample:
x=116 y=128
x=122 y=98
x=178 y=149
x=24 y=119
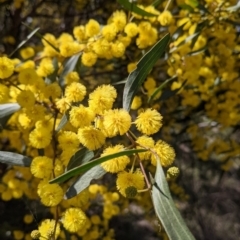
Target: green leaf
x=62 y=122
x=84 y=181
x=160 y=88
x=156 y=3
x=15 y=159
x=82 y=156
x=186 y=40
x=24 y=41
x=165 y=209
x=8 y=109
x=41 y=37
x=134 y=8
x=170 y=93
x=137 y=76
x=69 y=66
x=186 y=7
x=86 y=166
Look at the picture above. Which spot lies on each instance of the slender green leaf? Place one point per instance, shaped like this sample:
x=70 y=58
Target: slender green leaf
x=62 y=122
x=170 y=93
x=82 y=156
x=24 y=41
x=137 y=76
x=156 y=3
x=8 y=109
x=84 y=181
x=120 y=82
x=14 y=159
x=69 y=66
x=186 y=40
x=193 y=53
x=186 y=7
x=134 y=8
x=86 y=166
x=41 y=37
x=160 y=88
x=166 y=211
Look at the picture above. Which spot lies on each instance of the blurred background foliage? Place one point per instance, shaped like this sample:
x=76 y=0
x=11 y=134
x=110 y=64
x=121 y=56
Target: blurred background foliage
x=207 y=192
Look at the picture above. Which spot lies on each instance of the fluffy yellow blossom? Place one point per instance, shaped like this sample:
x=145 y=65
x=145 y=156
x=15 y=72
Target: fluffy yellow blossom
x=41 y=167
x=91 y=137
x=26 y=99
x=145 y=141
x=109 y=32
x=116 y=164
x=45 y=67
x=81 y=116
x=46 y=229
x=119 y=19
x=116 y=121
x=131 y=29
x=27 y=76
x=89 y=59
x=75 y=92
x=27 y=52
x=53 y=91
x=172 y=172
x=68 y=139
x=50 y=194
x=149 y=121
x=79 y=33
x=63 y=104
x=92 y=28
x=68 y=49
x=6 y=67
x=71 y=77
x=165 y=152
x=102 y=98
x=127 y=180
x=74 y=219
x=117 y=49
x=165 y=18
x=4 y=93
x=40 y=139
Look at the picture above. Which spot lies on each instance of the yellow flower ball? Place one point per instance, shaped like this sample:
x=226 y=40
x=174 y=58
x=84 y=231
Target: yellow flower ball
x=50 y=194
x=89 y=59
x=116 y=121
x=75 y=92
x=91 y=137
x=149 y=121
x=165 y=152
x=116 y=164
x=129 y=179
x=6 y=67
x=74 y=219
x=165 y=18
x=41 y=167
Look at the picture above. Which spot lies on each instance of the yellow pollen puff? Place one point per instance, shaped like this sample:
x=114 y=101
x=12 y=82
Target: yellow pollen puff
x=68 y=139
x=149 y=121
x=74 y=219
x=41 y=167
x=131 y=29
x=47 y=226
x=81 y=116
x=50 y=194
x=92 y=28
x=79 y=33
x=129 y=179
x=89 y=59
x=119 y=19
x=116 y=121
x=39 y=138
x=91 y=137
x=75 y=92
x=71 y=77
x=27 y=52
x=26 y=99
x=68 y=49
x=147 y=142
x=116 y=164
x=109 y=32
x=165 y=18
x=165 y=152
x=6 y=67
